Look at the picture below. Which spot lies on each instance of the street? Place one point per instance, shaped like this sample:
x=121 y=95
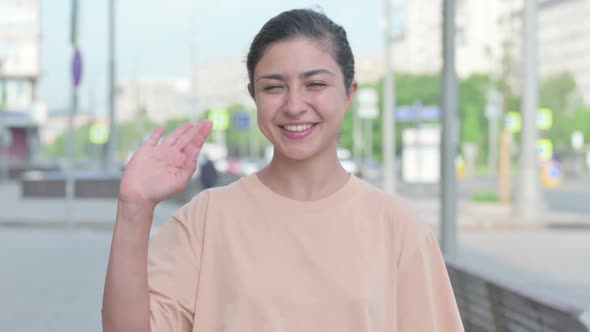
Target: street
x=52 y=279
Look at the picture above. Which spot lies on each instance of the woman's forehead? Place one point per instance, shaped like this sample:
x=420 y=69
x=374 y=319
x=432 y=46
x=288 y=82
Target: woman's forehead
x=296 y=57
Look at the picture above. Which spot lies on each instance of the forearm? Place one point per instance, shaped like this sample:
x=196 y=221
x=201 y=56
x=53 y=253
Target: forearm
x=126 y=294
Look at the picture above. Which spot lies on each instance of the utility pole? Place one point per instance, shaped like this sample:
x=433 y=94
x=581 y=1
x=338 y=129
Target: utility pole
x=449 y=134
x=109 y=162
x=4 y=134
x=389 y=172
x=529 y=203
x=70 y=148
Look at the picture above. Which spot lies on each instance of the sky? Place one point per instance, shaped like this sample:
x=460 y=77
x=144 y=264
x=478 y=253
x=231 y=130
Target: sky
x=156 y=38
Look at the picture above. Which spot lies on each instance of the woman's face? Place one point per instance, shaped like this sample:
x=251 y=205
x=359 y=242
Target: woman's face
x=300 y=97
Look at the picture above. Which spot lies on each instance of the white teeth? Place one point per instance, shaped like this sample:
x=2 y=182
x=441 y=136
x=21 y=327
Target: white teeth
x=298 y=127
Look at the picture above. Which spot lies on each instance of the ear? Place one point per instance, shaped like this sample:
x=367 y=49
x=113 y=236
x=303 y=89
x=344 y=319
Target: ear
x=251 y=90
x=351 y=93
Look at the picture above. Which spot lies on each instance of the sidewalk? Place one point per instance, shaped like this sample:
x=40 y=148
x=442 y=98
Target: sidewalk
x=50 y=212
x=101 y=213
x=481 y=216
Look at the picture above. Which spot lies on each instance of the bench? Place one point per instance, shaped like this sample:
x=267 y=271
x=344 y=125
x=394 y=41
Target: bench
x=92 y=185
x=53 y=185
x=490 y=305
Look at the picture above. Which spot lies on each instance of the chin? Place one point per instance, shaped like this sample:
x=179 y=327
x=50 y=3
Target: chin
x=298 y=155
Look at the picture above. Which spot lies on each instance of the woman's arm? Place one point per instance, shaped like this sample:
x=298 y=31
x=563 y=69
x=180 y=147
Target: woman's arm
x=126 y=294
x=155 y=172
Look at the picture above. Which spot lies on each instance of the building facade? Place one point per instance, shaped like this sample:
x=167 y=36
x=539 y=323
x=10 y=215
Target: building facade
x=161 y=99
x=479 y=35
x=564 y=41
x=20 y=111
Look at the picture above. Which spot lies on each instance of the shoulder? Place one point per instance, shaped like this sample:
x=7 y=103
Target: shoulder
x=392 y=207
x=408 y=230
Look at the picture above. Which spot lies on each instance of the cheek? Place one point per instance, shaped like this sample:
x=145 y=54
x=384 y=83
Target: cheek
x=264 y=112
x=328 y=107
x=267 y=107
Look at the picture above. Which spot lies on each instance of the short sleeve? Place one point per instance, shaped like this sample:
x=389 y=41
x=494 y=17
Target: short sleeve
x=173 y=267
x=425 y=297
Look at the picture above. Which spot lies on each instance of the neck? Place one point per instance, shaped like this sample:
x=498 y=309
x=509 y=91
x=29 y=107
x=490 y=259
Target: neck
x=305 y=180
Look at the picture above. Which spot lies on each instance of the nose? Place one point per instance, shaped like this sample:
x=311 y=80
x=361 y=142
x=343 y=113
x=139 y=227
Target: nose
x=295 y=104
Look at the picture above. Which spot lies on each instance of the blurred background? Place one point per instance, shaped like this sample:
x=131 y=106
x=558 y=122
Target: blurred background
x=84 y=83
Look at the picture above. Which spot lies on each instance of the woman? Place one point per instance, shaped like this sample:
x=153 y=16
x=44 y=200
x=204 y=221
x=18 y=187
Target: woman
x=299 y=246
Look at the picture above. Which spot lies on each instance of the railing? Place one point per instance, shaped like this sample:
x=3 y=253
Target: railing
x=490 y=305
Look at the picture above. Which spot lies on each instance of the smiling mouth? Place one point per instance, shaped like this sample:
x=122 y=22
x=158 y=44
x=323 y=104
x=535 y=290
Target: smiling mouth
x=298 y=128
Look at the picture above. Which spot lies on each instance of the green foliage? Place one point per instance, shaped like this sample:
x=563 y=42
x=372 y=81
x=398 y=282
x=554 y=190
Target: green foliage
x=129 y=137
x=426 y=90
x=564 y=124
x=473 y=122
x=422 y=88
x=559 y=93
x=485 y=197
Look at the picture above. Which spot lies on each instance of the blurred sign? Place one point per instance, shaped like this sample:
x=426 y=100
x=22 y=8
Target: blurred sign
x=544 y=118
x=367 y=99
x=241 y=121
x=421 y=154
x=19 y=38
x=98 y=133
x=417 y=113
x=577 y=140
x=513 y=122
x=551 y=174
x=77 y=68
x=220 y=119
x=545 y=149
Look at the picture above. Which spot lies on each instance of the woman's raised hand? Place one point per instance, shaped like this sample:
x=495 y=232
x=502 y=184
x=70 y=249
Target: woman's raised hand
x=157 y=171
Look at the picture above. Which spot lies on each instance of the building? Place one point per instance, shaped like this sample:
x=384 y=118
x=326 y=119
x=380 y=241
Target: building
x=221 y=83
x=417 y=46
x=564 y=41
x=418 y=42
x=161 y=98
x=20 y=112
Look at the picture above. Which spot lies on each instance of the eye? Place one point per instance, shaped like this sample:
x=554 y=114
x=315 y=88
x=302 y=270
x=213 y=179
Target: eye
x=316 y=85
x=272 y=88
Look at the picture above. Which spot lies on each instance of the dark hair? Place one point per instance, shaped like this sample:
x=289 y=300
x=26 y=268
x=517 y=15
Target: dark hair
x=303 y=23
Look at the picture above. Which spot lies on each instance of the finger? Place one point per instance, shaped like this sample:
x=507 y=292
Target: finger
x=203 y=131
x=192 y=153
x=186 y=138
x=155 y=136
x=171 y=139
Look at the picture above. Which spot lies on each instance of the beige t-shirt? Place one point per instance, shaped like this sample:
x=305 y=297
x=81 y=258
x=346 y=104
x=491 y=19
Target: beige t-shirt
x=243 y=258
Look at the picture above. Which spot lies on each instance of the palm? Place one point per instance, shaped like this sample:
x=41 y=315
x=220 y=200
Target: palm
x=157 y=171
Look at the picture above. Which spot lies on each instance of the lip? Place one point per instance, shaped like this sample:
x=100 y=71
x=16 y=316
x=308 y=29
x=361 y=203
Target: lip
x=299 y=134
x=297 y=124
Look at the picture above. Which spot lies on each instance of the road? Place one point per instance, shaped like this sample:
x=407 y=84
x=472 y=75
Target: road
x=52 y=279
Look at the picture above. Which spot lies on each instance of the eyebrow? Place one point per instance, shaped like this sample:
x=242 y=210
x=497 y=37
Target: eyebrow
x=303 y=75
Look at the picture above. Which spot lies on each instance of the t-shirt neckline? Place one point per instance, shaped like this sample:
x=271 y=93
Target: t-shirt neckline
x=333 y=200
